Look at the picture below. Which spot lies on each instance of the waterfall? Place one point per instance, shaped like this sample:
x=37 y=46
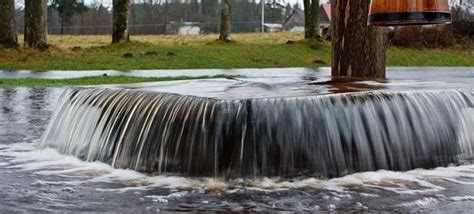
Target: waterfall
x=320 y=135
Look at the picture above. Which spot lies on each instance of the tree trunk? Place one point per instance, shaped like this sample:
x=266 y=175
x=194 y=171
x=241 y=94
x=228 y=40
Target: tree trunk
x=120 y=32
x=358 y=49
x=225 y=21
x=8 y=36
x=36 y=24
x=311 y=14
x=308 y=20
x=315 y=16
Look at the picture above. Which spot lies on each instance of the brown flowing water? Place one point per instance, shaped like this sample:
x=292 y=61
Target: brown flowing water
x=295 y=143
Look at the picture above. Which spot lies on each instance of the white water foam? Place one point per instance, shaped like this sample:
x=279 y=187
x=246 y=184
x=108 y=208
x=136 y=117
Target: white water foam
x=421 y=203
x=164 y=198
x=462 y=198
x=430 y=201
x=27 y=157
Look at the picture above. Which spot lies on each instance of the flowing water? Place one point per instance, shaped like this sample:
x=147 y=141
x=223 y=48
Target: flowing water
x=293 y=143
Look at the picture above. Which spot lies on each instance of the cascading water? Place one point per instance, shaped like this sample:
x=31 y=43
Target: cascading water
x=320 y=135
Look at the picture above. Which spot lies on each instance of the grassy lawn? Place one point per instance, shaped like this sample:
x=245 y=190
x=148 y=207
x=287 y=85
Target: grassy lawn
x=99 y=80
x=250 y=50
x=429 y=57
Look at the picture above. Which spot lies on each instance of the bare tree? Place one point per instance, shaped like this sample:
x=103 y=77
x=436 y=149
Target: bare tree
x=120 y=32
x=358 y=49
x=36 y=27
x=8 y=37
x=225 y=21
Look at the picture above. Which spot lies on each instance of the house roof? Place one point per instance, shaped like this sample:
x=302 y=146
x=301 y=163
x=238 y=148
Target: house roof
x=298 y=16
x=327 y=10
x=273 y=25
x=190 y=23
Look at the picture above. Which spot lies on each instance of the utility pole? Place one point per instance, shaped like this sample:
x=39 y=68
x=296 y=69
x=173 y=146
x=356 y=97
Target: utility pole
x=263 y=15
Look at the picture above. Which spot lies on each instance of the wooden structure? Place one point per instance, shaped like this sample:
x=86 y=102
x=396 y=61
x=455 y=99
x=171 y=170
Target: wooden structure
x=409 y=12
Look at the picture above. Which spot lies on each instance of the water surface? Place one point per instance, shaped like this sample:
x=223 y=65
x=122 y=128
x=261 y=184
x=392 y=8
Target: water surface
x=44 y=180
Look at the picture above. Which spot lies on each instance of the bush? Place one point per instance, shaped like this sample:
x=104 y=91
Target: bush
x=463 y=22
x=424 y=36
x=464 y=28
x=458 y=34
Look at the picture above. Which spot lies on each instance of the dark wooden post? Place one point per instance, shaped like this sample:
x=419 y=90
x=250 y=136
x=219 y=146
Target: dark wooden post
x=225 y=21
x=120 y=32
x=36 y=24
x=8 y=37
x=358 y=49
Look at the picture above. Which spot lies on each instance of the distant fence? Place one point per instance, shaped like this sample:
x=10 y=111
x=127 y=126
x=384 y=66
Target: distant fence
x=152 y=29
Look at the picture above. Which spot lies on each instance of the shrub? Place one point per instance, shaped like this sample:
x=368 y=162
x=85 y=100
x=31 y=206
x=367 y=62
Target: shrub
x=458 y=34
x=464 y=28
x=424 y=36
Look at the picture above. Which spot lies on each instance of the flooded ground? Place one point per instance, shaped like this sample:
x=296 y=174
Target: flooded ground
x=452 y=74
x=35 y=180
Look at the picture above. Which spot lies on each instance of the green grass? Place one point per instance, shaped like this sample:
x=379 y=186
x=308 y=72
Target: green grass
x=96 y=80
x=201 y=52
x=429 y=57
x=213 y=55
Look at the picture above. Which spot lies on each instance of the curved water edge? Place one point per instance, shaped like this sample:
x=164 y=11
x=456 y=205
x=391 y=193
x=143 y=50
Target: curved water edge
x=445 y=74
x=316 y=136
